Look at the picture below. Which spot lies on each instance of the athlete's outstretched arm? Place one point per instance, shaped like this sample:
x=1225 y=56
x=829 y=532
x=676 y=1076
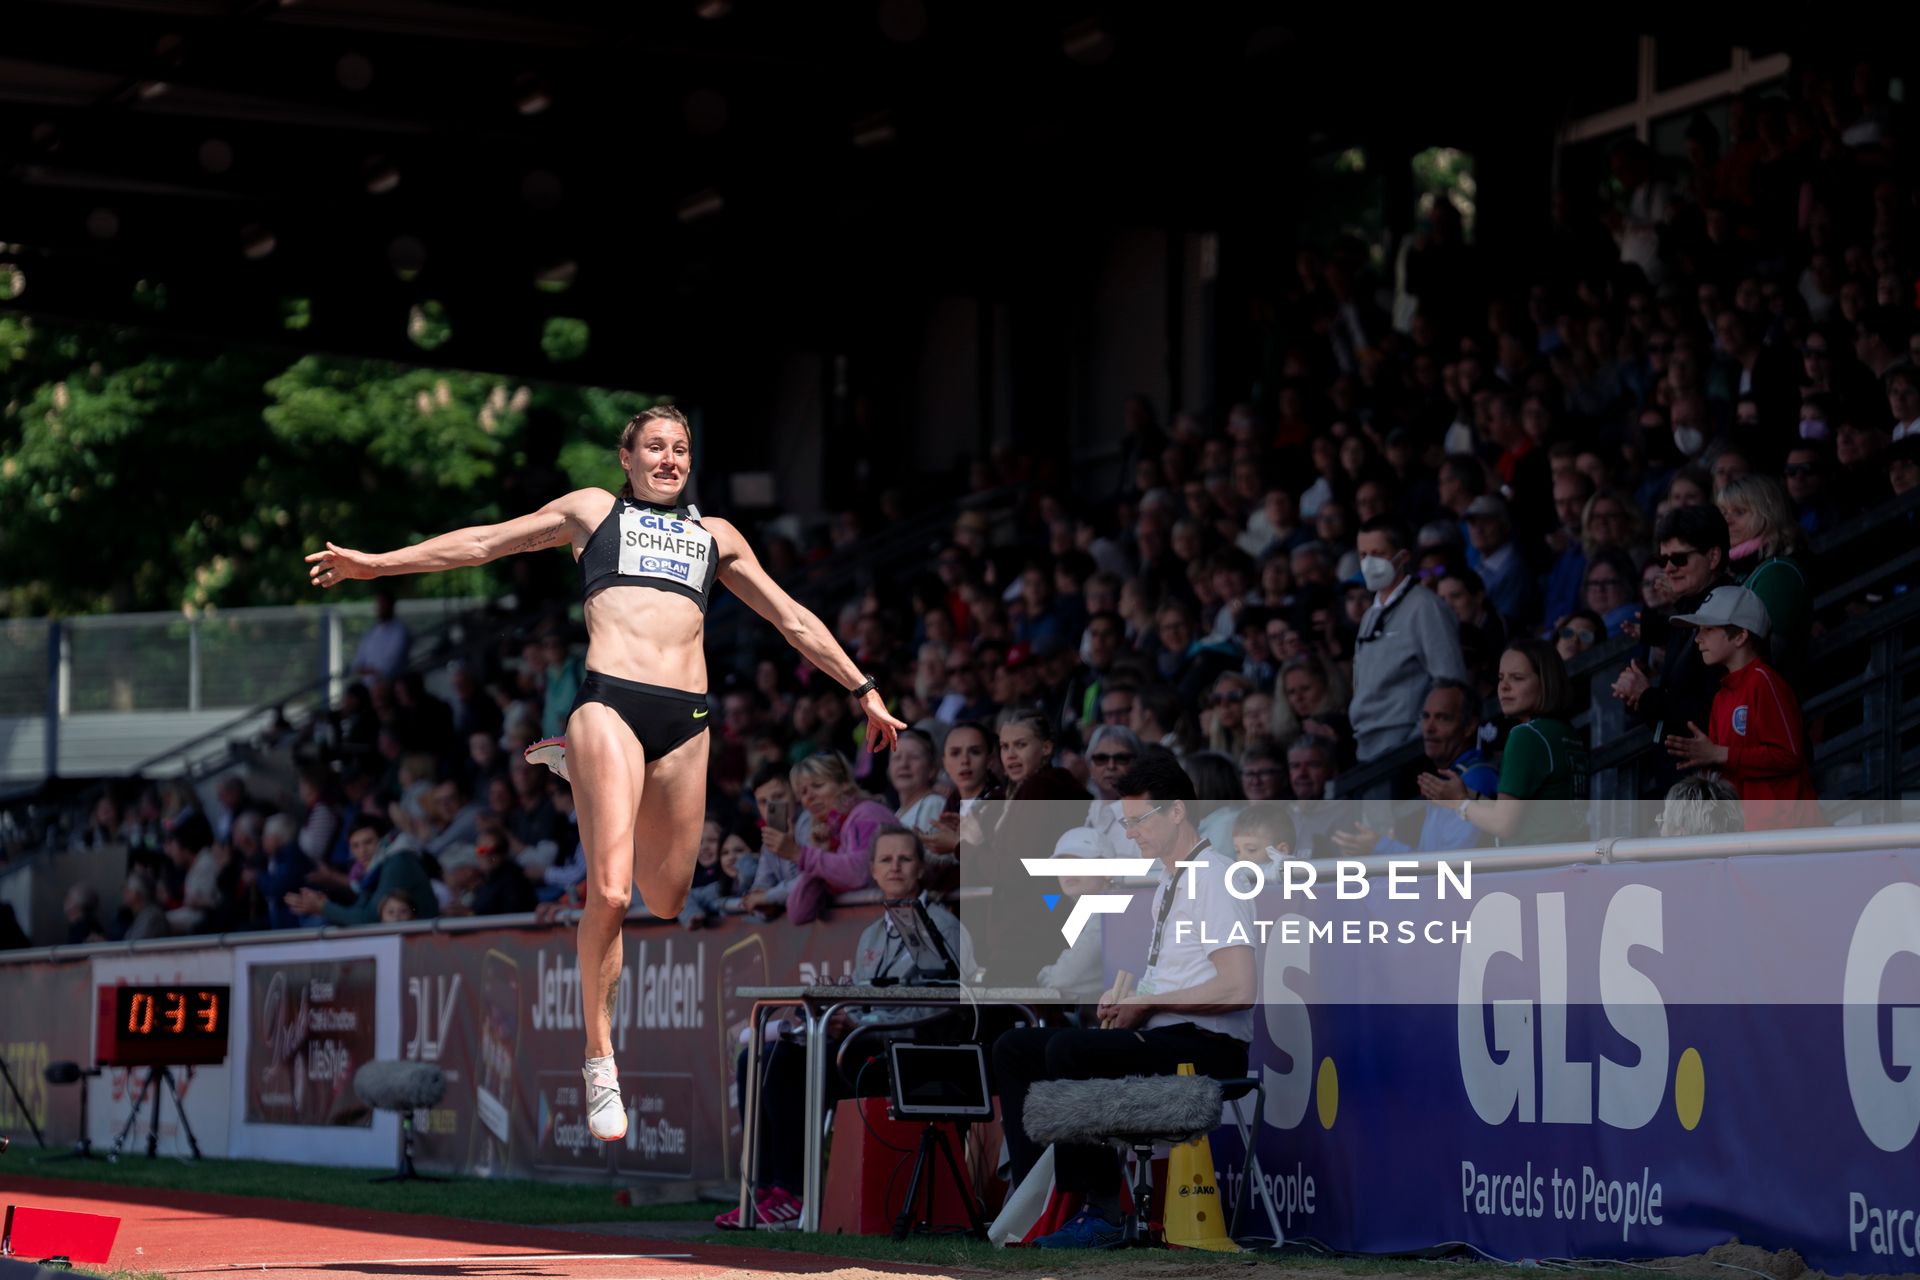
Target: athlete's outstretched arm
x=741 y=571
x=550 y=526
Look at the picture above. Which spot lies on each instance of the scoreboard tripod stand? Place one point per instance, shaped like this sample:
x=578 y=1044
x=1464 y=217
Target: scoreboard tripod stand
x=157 y=1076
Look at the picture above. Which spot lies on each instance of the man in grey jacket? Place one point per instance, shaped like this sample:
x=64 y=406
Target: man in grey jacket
x=1408 y=639
x=145 y=919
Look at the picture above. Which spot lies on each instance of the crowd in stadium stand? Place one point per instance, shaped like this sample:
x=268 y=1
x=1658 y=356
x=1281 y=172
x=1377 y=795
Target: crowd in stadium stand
x=1431 y=502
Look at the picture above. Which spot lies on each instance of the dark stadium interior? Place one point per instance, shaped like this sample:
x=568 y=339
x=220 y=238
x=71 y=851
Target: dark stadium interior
x=1336 y=444
x=866 y=157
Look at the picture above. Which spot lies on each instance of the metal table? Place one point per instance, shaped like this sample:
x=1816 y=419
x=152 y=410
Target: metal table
x=817 y=1005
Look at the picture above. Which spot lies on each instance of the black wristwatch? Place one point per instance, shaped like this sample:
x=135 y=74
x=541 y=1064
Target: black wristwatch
x=863 y=688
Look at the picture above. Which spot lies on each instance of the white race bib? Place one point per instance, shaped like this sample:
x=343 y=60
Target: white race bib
x=653 y=545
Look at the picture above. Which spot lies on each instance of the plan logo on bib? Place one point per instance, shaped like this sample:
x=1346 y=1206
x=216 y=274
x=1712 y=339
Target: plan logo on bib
x=671 y=568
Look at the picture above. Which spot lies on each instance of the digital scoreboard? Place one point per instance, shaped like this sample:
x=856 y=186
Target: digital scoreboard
x=150 y=1026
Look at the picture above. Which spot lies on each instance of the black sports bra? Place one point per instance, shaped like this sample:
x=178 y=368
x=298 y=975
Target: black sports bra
x=643 y=546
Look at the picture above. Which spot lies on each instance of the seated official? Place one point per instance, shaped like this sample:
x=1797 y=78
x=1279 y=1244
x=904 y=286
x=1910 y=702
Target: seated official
x=899 y=870
x=1193 y=1002
x=899 y=864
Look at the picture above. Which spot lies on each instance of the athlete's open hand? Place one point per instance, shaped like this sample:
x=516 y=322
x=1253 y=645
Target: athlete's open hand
x=335 y=565
x=881 y=726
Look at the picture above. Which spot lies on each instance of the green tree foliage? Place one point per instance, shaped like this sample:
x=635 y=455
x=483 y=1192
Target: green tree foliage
x=132 y=478
x=564 y=338
x=1446 y=173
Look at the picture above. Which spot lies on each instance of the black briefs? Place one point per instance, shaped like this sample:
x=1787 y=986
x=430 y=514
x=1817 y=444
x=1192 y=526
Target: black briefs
x=660 y=718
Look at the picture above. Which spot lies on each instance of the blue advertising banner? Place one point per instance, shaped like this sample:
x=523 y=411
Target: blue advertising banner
x=1616 y=1061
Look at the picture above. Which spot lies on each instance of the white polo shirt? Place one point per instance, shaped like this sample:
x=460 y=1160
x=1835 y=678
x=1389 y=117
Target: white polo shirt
x=1195 y=927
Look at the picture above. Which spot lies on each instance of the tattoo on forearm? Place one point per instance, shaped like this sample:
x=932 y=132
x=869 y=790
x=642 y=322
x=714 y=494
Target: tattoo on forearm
x=533 y=542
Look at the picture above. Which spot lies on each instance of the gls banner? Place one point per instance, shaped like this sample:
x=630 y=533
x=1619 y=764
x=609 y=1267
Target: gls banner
x=1619 y=1061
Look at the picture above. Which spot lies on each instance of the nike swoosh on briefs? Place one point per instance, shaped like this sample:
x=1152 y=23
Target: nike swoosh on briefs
x=700 y=715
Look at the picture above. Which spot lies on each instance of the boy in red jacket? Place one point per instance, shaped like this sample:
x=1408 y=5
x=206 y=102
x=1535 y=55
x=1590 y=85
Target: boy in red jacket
x=1754 y=737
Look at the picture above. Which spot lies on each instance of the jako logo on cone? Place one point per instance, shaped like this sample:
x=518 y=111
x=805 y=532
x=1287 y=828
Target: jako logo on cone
x=1194 y=1216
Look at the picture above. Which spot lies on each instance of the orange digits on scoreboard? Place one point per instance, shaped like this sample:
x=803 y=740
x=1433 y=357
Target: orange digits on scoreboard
x=178 y=1025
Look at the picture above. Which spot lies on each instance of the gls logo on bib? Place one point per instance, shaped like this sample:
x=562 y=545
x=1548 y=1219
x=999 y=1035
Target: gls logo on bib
x=659 y=546
x=651 y=520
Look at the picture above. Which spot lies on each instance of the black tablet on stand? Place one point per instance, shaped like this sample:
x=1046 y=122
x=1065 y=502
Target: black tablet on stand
x=933 y=962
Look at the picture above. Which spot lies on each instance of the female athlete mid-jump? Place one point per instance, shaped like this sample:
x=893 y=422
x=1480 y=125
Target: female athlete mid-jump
x=636 y=745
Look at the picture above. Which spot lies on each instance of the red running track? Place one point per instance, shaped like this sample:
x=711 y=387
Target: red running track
x=200 y=1237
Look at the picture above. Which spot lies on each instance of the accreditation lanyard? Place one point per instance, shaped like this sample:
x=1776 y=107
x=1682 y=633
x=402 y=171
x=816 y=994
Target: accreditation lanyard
x=1166 y=904
x=887 y=953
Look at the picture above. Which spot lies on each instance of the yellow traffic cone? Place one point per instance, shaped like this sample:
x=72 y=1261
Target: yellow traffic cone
x=1194 y=1216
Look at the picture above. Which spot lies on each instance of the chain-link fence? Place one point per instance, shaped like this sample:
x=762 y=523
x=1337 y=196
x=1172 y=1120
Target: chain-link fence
x=23 y=666
x=235 y=659
x=201 y=671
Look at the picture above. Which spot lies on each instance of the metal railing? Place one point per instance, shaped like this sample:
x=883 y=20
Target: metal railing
x=1901 y=833
x=1865 y=706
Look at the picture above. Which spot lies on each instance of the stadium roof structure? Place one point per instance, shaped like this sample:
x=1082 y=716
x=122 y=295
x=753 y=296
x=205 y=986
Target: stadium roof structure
x=694 y=179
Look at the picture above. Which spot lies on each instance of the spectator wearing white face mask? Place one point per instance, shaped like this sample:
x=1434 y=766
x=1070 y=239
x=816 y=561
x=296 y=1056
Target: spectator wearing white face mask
x=1691 y=426
x=1408 y=639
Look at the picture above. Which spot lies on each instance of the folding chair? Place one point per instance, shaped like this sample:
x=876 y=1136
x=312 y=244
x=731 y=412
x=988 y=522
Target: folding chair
x=1234 y=1102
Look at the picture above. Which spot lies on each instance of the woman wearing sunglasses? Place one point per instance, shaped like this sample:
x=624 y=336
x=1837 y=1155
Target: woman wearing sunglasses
x=1222 y=721
x=1110 y=753
x=1693 y=560
x=1578 y=632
